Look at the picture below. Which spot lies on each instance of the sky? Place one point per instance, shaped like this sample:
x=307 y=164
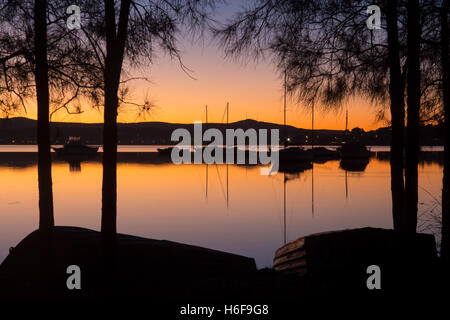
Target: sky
x=254 y=90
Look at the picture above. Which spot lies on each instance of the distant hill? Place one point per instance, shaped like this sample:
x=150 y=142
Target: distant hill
x=23 y=131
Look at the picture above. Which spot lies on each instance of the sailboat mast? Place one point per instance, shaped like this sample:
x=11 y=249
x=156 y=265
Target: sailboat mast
x=312 y=190
x=228 y=104
x=228 y=199
x=346 y=186
x=227 y=162
x=284 y=208
x=206 y=109
x=346 y=120
x=285 y=92
x=312 y=152
x=312 y=125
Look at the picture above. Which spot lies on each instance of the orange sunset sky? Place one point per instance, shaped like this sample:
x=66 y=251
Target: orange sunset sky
x=253 y=89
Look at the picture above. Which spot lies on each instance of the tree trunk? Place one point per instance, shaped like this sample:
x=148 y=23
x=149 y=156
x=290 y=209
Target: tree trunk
x=397 y=117
x=46 y=221
x=445 y=246
x=109 y=190
x=115 y=48
x=412 y=128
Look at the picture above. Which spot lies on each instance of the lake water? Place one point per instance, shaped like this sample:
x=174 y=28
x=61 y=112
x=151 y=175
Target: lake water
x=189 y=203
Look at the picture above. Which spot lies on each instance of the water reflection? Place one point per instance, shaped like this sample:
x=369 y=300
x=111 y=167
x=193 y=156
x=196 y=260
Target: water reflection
x=23 y=159
x=356 y=165
x=225 y=207
x=425 y=157
x=75 y=161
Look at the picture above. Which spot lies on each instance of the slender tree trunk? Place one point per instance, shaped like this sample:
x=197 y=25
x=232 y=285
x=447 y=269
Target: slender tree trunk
x=109 y=190
x=413 y=102
x=397 y=117
x=445 y=245
x=46 y=221
x=115 y=48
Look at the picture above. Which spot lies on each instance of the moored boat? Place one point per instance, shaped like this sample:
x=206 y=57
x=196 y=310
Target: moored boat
x=73 y=146
x=294 y=154
x=330 y=258
x=353 y=150
x=165 y=151
x=323 y=153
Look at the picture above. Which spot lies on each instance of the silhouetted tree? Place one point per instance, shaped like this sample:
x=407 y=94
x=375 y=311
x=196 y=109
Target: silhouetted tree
x=39 y=58
x=397 y=110
x=330 y=54
x=129 y=31
x=413 y=107
x=445 y=62
x=434 y=90
x=46 y=220
x=116 y=37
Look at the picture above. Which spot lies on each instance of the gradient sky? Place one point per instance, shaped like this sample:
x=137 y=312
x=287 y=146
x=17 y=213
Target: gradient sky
x=253 y=89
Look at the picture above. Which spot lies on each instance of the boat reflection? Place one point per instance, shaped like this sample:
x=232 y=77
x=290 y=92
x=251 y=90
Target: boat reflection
x=75 y=161
x=354 y=165
x=28 y=159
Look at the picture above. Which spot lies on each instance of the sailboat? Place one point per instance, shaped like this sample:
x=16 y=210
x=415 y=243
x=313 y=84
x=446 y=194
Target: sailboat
x=234 y=148
x=201 y=148
x=73 y=146
x=291 y=154
x=352 y=149
x=320 y=153
x=165 y=151
x=226 y=163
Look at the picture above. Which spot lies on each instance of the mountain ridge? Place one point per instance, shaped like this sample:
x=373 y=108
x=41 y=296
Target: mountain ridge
x=22 y=130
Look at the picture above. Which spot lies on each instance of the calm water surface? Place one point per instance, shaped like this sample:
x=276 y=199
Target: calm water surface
x=189 y=203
